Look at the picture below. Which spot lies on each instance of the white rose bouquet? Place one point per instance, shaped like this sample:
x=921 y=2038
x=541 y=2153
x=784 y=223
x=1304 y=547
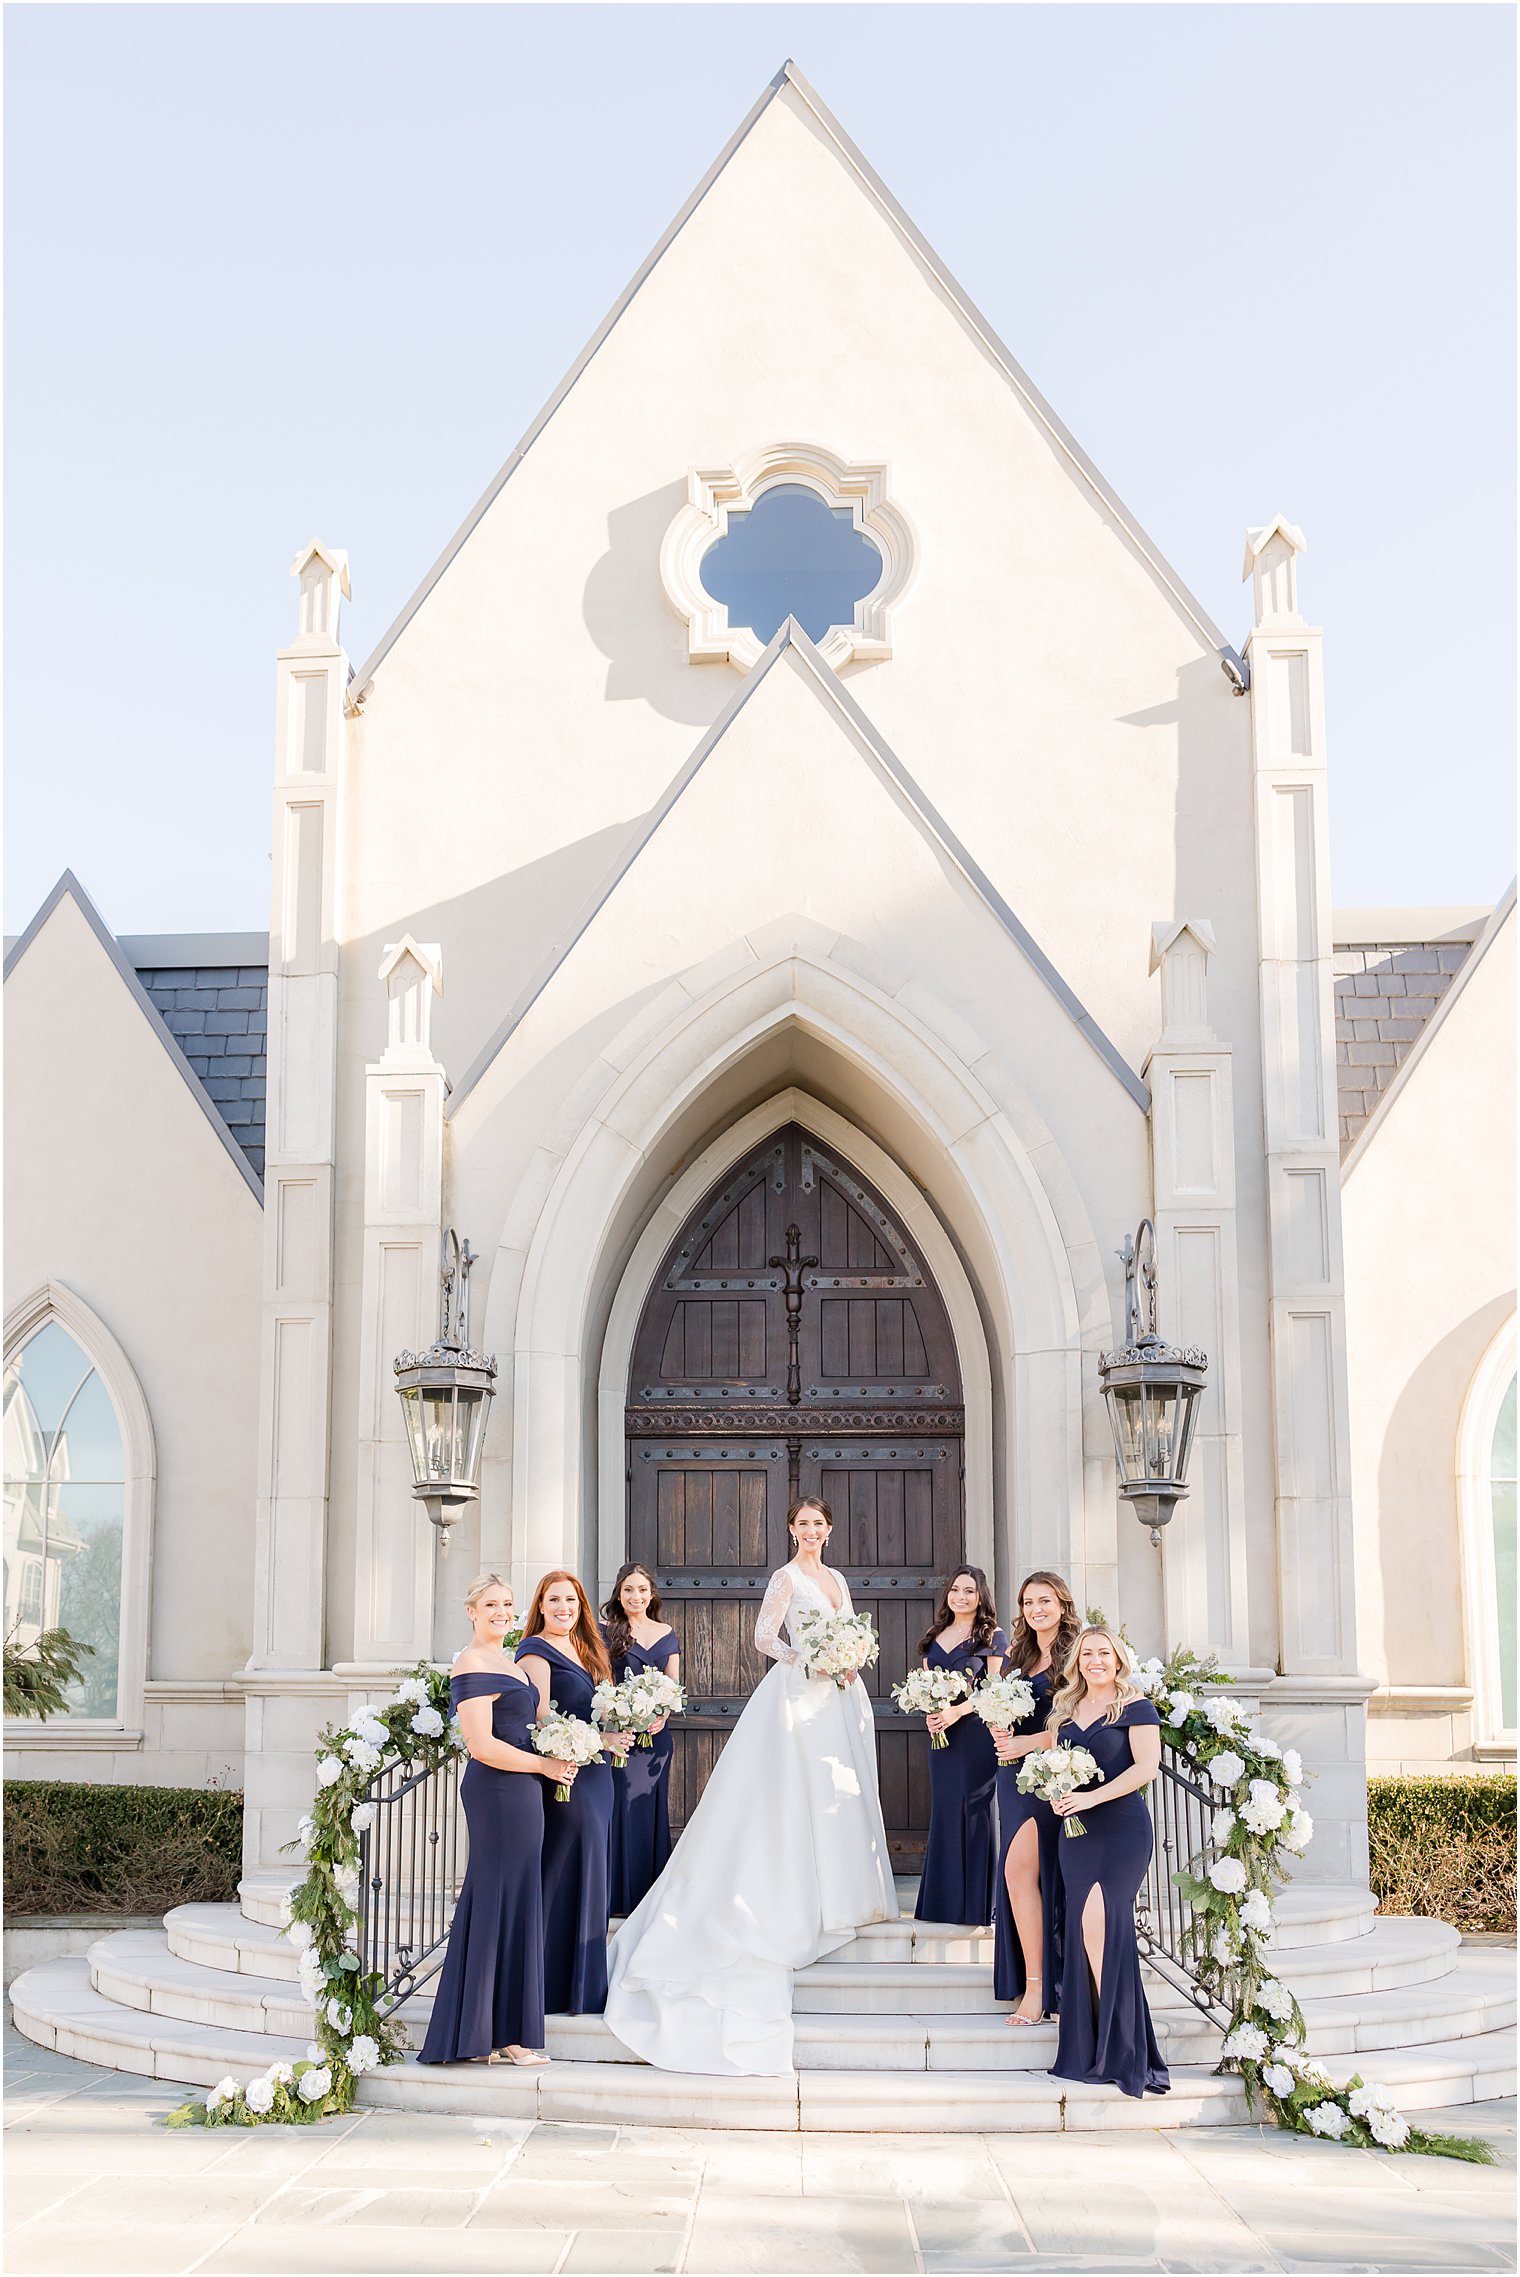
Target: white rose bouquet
x=572 y=1740
x=928 y=1692
x=1003 y=1701
x=836 y=1645
x=1056 y=1772
x=637 y=1705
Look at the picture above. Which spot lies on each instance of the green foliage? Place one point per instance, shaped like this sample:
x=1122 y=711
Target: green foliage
x=71 y=1848
x=1445 y=1846
x=38 y=1675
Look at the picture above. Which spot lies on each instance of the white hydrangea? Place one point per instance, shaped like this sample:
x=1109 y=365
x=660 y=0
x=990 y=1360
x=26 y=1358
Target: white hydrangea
x=314 y=2054
x=1293 y=1767
x=306 y=1827
x=1226 y=1770
x=1326 y=2119
x=1285 y=2053
x=362 y=1756
x=1256 y=1912
x=428 y=1722
x=1228 y=1875
x=411 y=1692
x=1265 y=1746
x=340 y=2018
x=1299 y=1831
x=1179 y=1707
x=329 y=1770
x=1149 y=1676
x=225 y=2091
x=313 y=2085
x=363 y=2054
x=281 y=2074
x=311 y=1977
x=1274 y=1999
x=1222 y=1714
x=362 y=1817
x=368 y=1727
x=299 y=1934
x=285 y=1905
x=1279 y=2079
x=1223 y=1824
x=259 y=2095
x=1248 y=2042
x=1265 y=1808
x=1315 y=2074
x=1390 y=2128
x=1226 y=1947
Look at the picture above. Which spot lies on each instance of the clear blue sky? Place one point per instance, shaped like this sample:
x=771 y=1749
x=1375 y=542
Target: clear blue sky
x=279 y=271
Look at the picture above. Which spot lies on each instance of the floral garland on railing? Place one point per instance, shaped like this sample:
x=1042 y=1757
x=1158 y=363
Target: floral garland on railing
x=1258 y=1817
x=411 y=1730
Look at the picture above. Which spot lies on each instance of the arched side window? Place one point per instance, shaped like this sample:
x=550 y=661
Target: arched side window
x=78 y=1452
x=1486 y=1499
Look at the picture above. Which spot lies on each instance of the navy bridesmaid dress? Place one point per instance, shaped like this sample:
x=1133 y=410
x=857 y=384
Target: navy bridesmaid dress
x=577 y=1840
x=1009 y=1975
x=961 y=1851
x=1109 y=2039
x=491 y=1988
x=641 y=1793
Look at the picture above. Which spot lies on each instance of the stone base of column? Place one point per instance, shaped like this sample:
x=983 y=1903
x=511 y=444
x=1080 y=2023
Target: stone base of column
x=1325 y=1718
x=284 y=1711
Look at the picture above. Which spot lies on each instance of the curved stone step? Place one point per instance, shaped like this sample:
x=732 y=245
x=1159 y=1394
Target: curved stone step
x=222 y=1937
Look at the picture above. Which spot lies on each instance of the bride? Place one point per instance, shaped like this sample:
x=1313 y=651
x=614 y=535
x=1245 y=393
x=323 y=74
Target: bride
x=783 y=1859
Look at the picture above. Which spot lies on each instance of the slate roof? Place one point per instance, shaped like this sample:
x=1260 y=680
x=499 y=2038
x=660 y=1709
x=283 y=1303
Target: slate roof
x=1385 y=992
x=219 y=1017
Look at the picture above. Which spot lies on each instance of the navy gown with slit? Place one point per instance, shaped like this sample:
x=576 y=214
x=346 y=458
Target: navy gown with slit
x=1015 y=1809
x=491 y=1987
x=1108 y=2038
x=960 y=1851
x=577 y=1841
x=641 y=1793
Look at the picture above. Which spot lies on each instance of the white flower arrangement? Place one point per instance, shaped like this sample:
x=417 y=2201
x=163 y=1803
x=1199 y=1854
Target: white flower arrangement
x=1293 y=1766
x=1056 y=1772
x=1229 y=1875
x=411 y=1692
x=362 y=1817
x=1247 y=2041
x=570 y=1738
x=644 y=1697
x=1279 y=2080
x=362 y=1755
x=1326 y=2119
x=1227 y=1769
x=363 y=2054
x=1265 y=1807
x=1179 y=1706
x=428 y=1723
x=1276 y=1999
x=1003 y=1701
x=929 y=1692
x=1256 y=1912
x=835 y=1645
x=330 y=1770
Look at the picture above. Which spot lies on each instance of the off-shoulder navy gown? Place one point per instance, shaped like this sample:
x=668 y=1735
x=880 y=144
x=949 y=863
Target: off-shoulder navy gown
x=641 y=1793
x=1109 y=2038
x=577 y=1837
x=961 y=1850
x=1009 y=1974
x=491 y=1988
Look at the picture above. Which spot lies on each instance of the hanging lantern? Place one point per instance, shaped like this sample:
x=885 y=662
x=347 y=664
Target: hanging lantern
x=446 y=1394
x=1151 y=1389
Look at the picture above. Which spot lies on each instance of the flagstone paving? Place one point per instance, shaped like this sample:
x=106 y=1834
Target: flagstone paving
x=93 y=2187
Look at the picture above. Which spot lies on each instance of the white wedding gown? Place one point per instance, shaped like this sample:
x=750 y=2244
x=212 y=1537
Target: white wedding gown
x=782 y=1860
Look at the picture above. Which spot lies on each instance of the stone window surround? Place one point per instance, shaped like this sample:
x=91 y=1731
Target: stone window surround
x=53 y=1301
x=713 y=493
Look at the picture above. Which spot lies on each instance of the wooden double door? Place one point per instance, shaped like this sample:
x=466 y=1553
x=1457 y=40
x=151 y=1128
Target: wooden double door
x=794 y=1343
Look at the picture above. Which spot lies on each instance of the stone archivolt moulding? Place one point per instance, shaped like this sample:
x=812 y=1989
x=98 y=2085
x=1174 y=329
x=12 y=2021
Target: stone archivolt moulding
x=713 y=493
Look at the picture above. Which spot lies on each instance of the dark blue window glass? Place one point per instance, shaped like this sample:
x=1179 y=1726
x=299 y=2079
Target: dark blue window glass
x=791 y=555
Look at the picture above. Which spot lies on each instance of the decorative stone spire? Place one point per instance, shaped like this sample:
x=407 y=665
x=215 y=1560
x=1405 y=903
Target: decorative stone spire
x=1270 y=560
x=324 y=587
x=1180 y=950
x=413 y=975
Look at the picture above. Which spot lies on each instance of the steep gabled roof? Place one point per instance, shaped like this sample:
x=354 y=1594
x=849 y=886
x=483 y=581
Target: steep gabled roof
x=1189 y=608
x=69 y=888
x=792 y=638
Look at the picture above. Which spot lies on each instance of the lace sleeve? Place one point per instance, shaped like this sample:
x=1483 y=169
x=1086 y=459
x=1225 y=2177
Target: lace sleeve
x=773 y=1612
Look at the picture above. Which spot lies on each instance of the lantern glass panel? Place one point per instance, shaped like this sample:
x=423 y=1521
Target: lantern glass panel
x=416 y=1428
x=474 y=1407
x=1126 y=1412
x=1160 y=1430
x=1190 y=1400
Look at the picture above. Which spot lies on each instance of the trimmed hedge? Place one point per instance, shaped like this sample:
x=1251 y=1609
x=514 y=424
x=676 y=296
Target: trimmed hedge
x=72 y=1848
x=1445 y=1846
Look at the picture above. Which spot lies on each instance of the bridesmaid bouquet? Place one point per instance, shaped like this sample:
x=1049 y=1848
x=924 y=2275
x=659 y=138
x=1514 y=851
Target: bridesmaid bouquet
x=928 y=1692
x=570 y=1739
x=1056 y=1772
x=636 y=1705
x=836 y=1645
x=1003 y=1701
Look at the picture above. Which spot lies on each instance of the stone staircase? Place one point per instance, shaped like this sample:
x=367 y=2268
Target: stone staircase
x=897 y=2032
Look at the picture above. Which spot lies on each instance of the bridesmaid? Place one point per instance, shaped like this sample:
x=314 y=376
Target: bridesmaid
x=1106 y=2030
x=959 y=1855
x=563 y=1653
x=636 y=1639
x=1026 y=1953
x=490 y=1998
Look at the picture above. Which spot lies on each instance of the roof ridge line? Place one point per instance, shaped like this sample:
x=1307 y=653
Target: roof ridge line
x=791 y=636
x=1502 y=910
x=69 y=888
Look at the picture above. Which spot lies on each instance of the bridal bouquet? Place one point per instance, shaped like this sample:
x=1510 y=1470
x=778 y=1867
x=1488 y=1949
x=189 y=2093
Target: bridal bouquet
x=836 y=1645
x=570 y=1739
x=1003 y=1701
x=1058 y=1771
x=928 y=1692
x=637 y=1705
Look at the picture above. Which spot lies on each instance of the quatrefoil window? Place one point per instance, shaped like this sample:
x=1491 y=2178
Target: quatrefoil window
x=791 y=531
x=791 y=555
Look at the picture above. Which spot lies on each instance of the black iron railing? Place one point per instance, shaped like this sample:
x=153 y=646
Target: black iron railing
x=1170 y=1934
x=411 y=1862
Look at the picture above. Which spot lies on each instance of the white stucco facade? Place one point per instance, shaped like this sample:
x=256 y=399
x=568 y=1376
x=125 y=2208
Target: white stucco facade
x=1011 y=896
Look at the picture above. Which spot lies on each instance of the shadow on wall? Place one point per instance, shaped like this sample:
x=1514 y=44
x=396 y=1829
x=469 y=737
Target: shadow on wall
x=1418 y=1520
x=633 y=624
